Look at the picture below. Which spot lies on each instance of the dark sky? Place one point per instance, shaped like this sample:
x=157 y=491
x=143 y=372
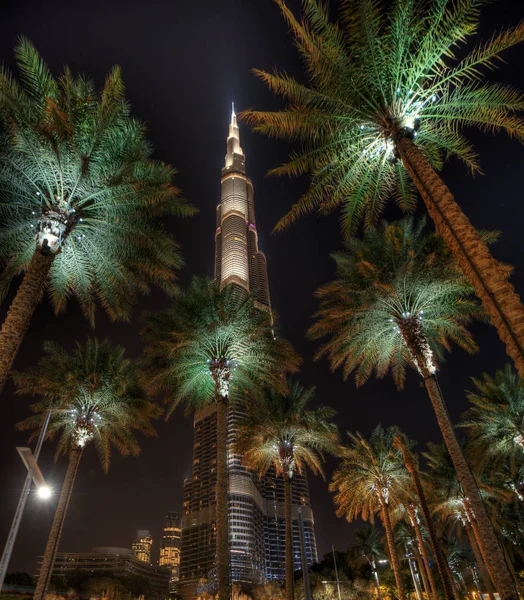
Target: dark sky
x=183 y=63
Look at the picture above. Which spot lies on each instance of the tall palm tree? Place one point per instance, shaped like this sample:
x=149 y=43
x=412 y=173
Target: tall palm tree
x=451 y=503
x=370 y=479
x=411 y=461
x=495 y=422
x=399 y=300
x=80 y=198
x=94 y=397
x=390 y=92
x=367 y=542
x=283 y=432
x=214 y=345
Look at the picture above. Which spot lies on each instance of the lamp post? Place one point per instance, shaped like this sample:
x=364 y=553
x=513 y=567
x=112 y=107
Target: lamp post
x=336 y=571
x=33 y=473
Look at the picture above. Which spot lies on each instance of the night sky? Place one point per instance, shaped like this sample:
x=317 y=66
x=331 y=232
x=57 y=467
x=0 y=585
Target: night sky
x=183 y=64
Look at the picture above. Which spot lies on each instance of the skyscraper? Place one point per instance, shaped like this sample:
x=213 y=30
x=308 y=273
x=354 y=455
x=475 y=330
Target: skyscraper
x=142 y=546
x=256 y=506
x=170 y=546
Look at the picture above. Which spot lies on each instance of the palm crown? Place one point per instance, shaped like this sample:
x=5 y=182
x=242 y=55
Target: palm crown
x=281 y=431
x=377 y=73
x=77 y=182
x=371 y=475
x=213 y=344
x=495 y=421
x=397 y=280
x=93 y=396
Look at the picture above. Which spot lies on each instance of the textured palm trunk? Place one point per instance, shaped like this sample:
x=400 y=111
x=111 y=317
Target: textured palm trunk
x=423 y=573
x=427 y=569
x=21 y=311
x=290 y=565
x=471 y=253
x=48 y=561
x=386 y=522
x=483 y=574
x=428 y=521
x=489 y=544
x=222 y=535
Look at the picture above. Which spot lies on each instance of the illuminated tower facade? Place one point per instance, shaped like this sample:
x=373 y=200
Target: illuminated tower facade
x=170 y=547
x=142 y=546
x=256 y=506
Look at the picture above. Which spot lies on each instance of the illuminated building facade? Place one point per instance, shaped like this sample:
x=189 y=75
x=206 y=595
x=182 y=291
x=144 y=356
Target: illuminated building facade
x=142 y=546
x=170 y=546
x=256 y=506
x=113 y=563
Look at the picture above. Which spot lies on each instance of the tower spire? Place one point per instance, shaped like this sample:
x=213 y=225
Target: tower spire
x=235 y=156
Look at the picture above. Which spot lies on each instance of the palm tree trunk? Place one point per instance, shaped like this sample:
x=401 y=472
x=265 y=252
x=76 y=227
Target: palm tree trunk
x=48 y=561
x=21 y=311
x=427 y=568
x=424 y=573
x=414 y=577
x=290 y=565
x=377 y=581
x=489 y=544
x=471 y=253
x=222 y=500
x=386 y=522
x=428 y=521
x=486 y=580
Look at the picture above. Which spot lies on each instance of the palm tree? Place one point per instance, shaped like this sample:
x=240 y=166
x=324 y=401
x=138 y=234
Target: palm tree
x=388 y=98
x=282 y=432
x=367 y=542
x=214 y=345
x=452 y=504
x=495 y=422
x=80 y=198
x=94 y=397
x=411 y=461
x=370 y=479
x=399 y=300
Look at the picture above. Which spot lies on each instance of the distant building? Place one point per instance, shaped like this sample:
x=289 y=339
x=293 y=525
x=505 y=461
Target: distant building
x=170 y=547
x=112 y=562
x=142 y=546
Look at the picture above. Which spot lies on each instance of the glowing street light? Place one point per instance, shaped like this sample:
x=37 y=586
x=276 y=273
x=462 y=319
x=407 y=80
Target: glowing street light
x=33 y=474
x=44 y=492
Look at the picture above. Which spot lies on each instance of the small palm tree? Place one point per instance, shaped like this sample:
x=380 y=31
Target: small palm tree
x=495 y=422
x=367 y=543
x=399 y=300
x=390 y=93
x=281 y=431
x=94 y=397
x=80 y=198
x=214 y=345
x=370 y=479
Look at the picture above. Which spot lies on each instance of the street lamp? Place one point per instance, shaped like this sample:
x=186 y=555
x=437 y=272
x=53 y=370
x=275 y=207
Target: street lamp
x=33 y=474
x=44 y=492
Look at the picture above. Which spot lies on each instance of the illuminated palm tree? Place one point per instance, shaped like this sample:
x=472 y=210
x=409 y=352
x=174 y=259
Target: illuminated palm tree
x=495 y=422
x=94 y=397
x=390 y=91
x=367 y=543
x=213 y=346
x=81 y=200
x=399 y=300
x=283 y=432
x=370 y=479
